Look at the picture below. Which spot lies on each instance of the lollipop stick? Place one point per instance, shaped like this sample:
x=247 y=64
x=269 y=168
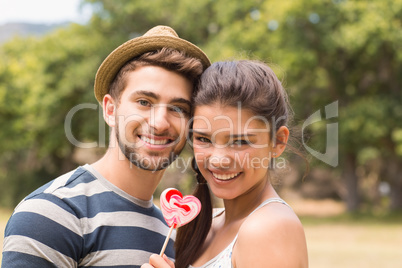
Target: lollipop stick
x=166 y=240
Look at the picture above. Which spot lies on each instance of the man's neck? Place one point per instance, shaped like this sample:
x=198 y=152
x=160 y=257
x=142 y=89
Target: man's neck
x=135 y=181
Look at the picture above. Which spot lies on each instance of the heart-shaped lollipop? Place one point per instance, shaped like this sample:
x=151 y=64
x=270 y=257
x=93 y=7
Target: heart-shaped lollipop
x=178 y=210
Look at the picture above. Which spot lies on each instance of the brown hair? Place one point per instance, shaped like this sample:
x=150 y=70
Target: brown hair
x=170 y=59
x=254 y=86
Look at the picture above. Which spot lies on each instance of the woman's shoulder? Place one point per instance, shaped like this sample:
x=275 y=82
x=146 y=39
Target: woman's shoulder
x=272 y=232
x=271 y=217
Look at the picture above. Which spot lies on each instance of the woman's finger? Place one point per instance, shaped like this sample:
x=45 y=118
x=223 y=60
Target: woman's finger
x=168 y=261
x=160 y=262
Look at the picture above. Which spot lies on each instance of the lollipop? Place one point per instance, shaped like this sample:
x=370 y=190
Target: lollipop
x=178 y=210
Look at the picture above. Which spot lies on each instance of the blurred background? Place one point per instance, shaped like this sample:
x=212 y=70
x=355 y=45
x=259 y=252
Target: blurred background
x=339 y=60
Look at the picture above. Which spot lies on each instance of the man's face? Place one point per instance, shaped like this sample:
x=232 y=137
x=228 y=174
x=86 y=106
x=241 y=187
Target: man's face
x=152 y=115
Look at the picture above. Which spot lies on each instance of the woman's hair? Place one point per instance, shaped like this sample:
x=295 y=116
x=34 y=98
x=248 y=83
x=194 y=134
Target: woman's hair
x=172 y=60
x=246 y=84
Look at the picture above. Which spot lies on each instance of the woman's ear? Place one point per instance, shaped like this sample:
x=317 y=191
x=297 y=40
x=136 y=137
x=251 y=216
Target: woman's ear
x=109 y=109
x=282 y=136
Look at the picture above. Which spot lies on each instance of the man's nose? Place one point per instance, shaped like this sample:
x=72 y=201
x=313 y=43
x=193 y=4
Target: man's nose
x=159 y=120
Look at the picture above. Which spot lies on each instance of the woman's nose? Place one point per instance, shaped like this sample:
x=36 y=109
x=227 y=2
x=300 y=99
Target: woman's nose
x=220 y=159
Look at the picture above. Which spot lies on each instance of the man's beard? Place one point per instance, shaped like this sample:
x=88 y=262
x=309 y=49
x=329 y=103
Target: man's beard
x=143 y=162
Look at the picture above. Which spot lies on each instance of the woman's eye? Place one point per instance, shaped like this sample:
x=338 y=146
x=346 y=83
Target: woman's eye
x=240 y=142
x=203 y=139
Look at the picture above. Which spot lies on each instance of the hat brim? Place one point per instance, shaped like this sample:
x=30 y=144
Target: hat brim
x=136 y=47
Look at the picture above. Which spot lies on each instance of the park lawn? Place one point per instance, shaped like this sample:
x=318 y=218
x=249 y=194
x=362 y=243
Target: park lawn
x=338 y=241
x=4 y=215
x=347 y=244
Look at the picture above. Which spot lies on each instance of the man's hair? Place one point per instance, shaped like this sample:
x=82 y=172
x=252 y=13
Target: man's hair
x=170 y=59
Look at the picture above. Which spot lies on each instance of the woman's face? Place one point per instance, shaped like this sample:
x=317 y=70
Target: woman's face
x=232 y=148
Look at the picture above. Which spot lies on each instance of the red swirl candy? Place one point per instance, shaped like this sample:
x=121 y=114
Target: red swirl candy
x=178 y=210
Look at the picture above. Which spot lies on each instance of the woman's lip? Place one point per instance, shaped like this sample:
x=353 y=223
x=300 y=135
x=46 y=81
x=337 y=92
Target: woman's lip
x=225 y=176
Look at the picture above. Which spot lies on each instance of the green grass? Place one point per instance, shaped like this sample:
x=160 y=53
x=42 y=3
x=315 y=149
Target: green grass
x=4 y=216
x=346 y=240
x=354 y=241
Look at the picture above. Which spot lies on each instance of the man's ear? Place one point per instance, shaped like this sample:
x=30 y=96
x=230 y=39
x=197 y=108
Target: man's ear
x=109 y=109
x=282 y=136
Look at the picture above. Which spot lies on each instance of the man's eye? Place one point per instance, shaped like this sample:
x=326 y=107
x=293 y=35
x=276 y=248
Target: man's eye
x=144 y=103
x=178 y=109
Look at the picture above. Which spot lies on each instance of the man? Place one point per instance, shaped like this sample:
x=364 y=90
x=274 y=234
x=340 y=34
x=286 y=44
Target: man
x=102 y=215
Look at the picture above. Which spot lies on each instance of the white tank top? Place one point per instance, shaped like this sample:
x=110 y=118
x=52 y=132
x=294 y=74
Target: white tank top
x=224 y=258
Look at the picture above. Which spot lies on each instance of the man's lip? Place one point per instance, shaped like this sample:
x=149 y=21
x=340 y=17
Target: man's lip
x=156 y=141
x=154 y=137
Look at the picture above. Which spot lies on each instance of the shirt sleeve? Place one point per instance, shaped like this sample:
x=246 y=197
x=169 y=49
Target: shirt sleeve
x=42 y=232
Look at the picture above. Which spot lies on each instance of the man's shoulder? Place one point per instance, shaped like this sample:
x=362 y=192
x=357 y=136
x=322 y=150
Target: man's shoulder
x=44 y=223
x=78 y=182
x=68 y=179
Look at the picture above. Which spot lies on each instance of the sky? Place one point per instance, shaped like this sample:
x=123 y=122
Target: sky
x=41 y=11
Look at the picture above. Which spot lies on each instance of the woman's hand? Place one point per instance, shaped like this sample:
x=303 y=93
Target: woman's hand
x=156 y=261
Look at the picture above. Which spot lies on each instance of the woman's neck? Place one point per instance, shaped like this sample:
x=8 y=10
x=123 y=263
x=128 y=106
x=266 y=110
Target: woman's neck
x=240 y=207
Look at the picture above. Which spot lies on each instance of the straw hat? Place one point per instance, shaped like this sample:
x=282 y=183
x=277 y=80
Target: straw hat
x=156 y=38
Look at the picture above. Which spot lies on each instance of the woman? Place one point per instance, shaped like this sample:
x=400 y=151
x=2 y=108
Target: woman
x=239 y=127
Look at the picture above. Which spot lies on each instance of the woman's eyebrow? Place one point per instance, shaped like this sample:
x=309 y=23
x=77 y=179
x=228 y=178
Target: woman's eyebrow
x=230 y=135
x=200 y=133
x=242 y=135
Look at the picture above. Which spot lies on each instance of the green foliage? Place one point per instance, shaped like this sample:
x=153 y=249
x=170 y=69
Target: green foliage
x=41 y=80
x=326 y=50
x=397 y=138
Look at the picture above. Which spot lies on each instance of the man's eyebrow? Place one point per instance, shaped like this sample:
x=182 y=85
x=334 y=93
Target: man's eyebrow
x=181 y=100
x=146 y=93
x=157 y=97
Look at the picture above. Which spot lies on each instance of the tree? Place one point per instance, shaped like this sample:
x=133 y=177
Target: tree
x=326 y=51
x=356 y=56
x=345 y=51
x=42 y=79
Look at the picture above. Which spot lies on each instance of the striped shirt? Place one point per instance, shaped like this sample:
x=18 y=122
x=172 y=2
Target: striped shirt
x=82 y=220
